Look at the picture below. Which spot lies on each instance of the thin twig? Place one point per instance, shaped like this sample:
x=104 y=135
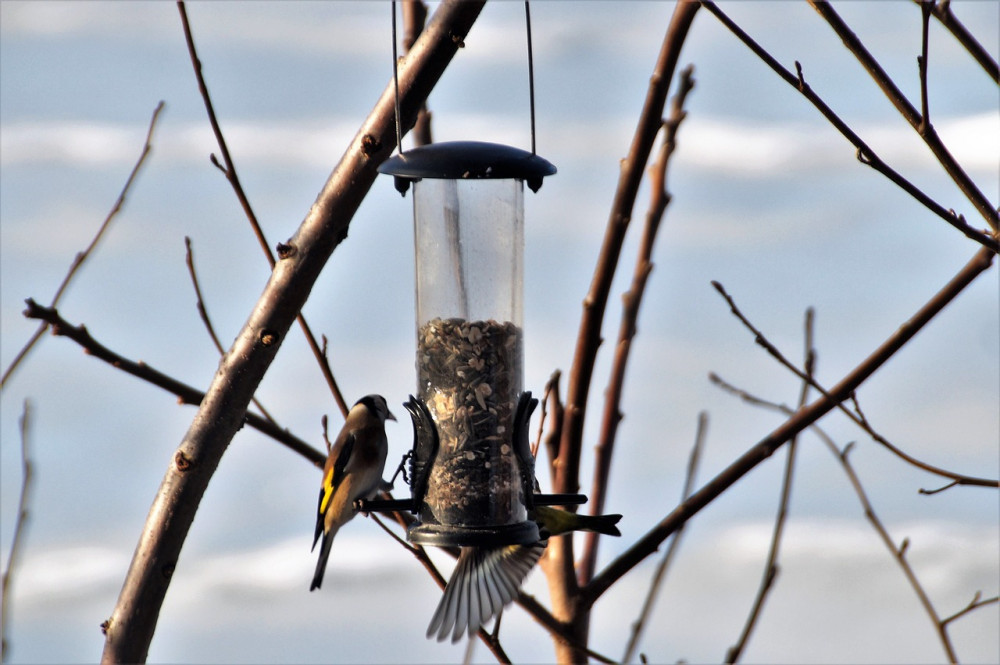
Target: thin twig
x=924 y=128
x=631 y=304
x=898 y=552
x=856 y=415
x=556 y=418
x=228 y=168
x=81 y=257
x=185 y=393
x=20 y=526
x=925 y=114
x=865 y=154
x=771 y=568
x=203 y=313
x=974 y=604
x=660 y=574
x=802 y=418
x=550 y=385
x=414 y=17
x=942 y=12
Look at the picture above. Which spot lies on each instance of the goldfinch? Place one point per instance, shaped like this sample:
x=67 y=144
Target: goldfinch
x=486 y=579
x=353 y=471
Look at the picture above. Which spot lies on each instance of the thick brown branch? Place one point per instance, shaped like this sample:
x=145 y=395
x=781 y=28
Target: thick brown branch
x=865 y=154
x=561 y=575
x=130 y=628
x=81 y=257
x=803 y=418
x=631 y=304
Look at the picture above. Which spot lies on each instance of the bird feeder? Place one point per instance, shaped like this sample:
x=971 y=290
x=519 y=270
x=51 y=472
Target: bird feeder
x=472 y=471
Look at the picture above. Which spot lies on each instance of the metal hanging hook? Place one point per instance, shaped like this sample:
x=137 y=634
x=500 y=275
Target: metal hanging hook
x=395 y=81
x=531 y=77
x=531 y=74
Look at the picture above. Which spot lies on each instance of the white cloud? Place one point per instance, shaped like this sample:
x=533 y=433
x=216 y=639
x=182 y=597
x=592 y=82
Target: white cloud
x=756 y=149
x=725 y=146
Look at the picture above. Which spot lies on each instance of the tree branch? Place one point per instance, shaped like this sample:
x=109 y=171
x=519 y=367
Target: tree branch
x=803 y=418
x=923 y=125
x=771 y=565
x=898 y=552
x=631 y=304
x=228 y=168
x=942 y=12
x=203 y=313
x=865 y=154
x=856 y=415
x=81 y=257
x=185 y=393
x=131 y=626
x=563 y=585
x=660 y=574
x=20 y=526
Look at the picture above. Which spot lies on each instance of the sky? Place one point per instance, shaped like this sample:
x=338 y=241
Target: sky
x=767 y=199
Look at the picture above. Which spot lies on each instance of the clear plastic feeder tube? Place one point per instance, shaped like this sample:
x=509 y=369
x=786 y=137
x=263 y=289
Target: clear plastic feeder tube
x=469 y=237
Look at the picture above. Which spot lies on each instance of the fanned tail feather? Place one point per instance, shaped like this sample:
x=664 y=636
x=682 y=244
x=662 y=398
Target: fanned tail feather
x=484 y=581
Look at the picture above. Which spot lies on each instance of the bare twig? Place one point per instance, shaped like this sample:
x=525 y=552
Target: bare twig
x=660 y=574
x=555 y=424
x=856 y=415
x=802 y=418
x=185 y=393
x=414 y=16
x=942 y=12
x=923 y=126
x=203 y=313
x=551 y=385
x=20 y=526
x=222 y=412
x=865 y=154
x=771 y=566
x=925 y=114
x=228 y=168
x=631 y=304
x=976 y=602
x=898 y=552
x=81 y=257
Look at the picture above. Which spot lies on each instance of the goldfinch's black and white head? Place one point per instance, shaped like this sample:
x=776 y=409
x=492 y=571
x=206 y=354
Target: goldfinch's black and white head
x=376 y=406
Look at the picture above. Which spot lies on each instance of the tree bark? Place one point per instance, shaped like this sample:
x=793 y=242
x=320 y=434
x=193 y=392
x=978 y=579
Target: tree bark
x=130 y=628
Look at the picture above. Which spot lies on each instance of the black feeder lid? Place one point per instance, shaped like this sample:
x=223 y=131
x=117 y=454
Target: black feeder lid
x=461 y=160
